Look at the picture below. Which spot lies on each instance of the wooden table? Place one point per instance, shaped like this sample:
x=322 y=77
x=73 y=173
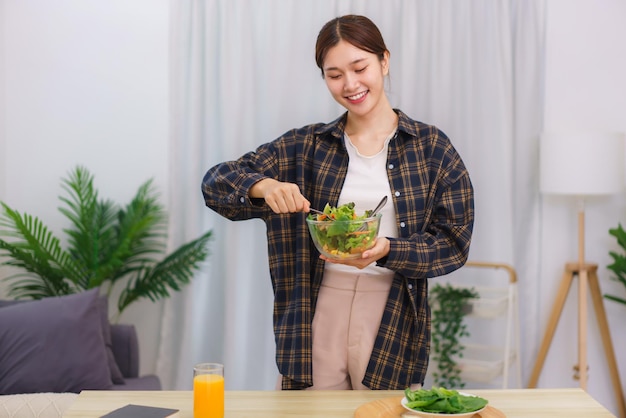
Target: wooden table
x=522 y=403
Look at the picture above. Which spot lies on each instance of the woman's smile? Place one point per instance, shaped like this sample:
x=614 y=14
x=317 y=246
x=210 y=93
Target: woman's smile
x=358 y=98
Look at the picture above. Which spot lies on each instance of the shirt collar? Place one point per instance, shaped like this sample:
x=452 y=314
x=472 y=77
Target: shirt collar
x=336 y=128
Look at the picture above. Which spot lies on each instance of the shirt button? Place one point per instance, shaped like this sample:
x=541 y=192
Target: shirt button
x=397 y=194
x=402 y=225
x=391 y=166
x=410 y=286
x=242 y=199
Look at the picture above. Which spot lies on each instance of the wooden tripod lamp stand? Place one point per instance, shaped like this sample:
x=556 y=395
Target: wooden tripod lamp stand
x=561 y=158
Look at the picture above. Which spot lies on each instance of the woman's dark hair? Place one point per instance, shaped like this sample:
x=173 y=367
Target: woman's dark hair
x=356 y=30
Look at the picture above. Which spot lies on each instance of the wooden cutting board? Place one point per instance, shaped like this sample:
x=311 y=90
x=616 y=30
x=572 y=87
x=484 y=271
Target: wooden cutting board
x=391 y=408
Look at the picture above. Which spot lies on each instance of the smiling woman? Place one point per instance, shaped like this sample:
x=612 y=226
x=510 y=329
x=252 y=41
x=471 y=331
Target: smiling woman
x=354 y=64
x=371 y=150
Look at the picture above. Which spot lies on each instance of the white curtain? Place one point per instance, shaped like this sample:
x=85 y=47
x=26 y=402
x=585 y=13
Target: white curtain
x=243 y=72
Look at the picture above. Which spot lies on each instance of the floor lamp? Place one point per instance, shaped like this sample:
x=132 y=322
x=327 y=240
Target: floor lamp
x=581 y=164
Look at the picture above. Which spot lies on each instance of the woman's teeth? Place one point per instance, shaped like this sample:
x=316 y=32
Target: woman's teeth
x=357 y=96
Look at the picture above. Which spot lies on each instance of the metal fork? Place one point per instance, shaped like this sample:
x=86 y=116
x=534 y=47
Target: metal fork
x=373 y=213
x=319 y=212
x=380 y=205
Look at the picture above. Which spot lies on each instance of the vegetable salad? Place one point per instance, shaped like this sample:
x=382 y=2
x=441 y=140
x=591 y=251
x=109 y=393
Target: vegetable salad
x=339 y=232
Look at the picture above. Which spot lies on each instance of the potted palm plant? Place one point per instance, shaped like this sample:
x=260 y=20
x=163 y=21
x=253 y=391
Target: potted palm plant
x=108 y=245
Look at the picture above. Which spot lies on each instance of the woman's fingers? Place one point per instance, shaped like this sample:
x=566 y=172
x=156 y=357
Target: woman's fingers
x=285 y=197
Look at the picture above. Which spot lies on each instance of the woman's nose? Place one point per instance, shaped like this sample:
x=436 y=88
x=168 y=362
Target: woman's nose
x=350 y=83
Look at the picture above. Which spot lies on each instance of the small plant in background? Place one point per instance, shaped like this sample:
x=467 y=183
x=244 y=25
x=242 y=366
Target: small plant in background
x=107 y=245
x=449 y=305
x=618 y=267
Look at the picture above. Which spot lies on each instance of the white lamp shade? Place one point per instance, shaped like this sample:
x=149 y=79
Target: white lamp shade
x=581 y=163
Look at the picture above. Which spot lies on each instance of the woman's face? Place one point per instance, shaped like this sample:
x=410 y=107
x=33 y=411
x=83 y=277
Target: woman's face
x=355 y=77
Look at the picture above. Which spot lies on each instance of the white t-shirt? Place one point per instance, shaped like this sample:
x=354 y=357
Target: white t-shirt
x=365 y=184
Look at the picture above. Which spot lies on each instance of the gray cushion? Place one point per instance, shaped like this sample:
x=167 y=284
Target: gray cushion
x=103 y=305
x=5 y=303
x=53 y=345
x=116 y=374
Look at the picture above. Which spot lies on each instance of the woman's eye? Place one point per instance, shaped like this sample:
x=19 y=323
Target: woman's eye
x=334 y=77
x=360 y=70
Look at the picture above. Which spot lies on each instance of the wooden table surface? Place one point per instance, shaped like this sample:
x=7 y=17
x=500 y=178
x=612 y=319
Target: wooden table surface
x=514 y=403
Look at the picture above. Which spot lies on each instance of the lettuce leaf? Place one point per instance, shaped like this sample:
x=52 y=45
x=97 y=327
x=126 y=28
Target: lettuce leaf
x=443 y=401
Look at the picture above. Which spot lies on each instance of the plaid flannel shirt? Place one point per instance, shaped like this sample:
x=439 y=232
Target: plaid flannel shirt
x=434 y=202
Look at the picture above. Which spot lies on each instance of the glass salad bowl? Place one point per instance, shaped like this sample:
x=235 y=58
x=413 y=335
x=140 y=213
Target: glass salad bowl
x=339 y=233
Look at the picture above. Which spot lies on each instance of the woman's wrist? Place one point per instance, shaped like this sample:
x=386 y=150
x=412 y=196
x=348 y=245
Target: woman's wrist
x=258 y=189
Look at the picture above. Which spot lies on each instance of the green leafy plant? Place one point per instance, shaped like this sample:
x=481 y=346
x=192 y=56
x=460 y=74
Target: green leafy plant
x=107 y=245
x=618 y=267
x=449 y=305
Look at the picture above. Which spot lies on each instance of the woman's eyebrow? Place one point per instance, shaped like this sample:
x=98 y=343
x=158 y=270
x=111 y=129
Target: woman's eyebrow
x=356 y=61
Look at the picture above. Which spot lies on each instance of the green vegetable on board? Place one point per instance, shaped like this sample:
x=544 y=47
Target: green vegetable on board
x=443 y=401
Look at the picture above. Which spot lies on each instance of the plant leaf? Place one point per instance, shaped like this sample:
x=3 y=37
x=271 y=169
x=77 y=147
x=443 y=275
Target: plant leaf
x=618 y=267
x=447 y=314
x=35 y=249
x=92 y=226
x=107 y=243
x=175 y=270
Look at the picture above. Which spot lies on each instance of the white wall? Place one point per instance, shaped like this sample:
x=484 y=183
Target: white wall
x=85 y=82
x=585 y=88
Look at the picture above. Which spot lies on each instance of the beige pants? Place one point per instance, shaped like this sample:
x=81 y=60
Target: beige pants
x=345 y=325
x=346 y=322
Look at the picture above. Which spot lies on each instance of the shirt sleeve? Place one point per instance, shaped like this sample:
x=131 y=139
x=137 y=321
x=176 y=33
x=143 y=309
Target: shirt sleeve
x=225 y=186
x=439 y=242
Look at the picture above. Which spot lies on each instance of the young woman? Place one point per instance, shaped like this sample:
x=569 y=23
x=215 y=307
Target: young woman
x=364 y=323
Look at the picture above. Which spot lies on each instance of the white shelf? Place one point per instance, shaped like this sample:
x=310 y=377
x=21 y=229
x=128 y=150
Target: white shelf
x=492 y=302
x=482 y=363
x=486 y=363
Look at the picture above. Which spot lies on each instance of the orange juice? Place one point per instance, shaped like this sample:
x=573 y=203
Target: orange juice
x=208 y=396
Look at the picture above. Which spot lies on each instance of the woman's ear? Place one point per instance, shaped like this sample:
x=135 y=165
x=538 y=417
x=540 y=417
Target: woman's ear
x=385 y=63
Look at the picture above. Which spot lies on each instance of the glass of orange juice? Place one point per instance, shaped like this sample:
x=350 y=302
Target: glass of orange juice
x=208 y=390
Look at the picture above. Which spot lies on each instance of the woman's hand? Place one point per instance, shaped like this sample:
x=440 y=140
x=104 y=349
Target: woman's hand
x=281 y=197
x=378 y=251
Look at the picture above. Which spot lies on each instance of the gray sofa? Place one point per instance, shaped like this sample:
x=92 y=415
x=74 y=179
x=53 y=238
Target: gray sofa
x=52 y=405
x=66 y=344
x=125 y=346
